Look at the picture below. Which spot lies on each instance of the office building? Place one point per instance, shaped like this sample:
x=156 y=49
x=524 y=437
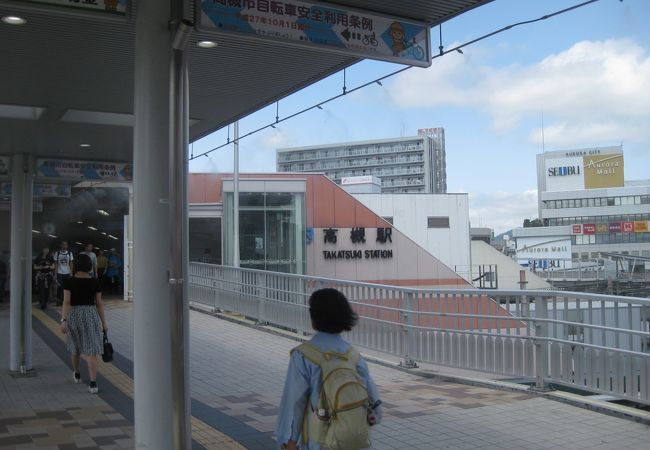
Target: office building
x=409 y=164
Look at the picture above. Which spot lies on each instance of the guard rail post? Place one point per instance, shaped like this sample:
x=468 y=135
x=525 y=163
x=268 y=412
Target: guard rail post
x=408 y=331
x=262 y=298
x=541 y=344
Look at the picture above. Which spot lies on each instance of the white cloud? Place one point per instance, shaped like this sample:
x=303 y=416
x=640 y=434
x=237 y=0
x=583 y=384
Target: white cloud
x=593 y=92
x=502 y=211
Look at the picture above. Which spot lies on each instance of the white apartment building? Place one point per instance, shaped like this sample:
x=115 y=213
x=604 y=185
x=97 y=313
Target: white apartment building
x=409 y=164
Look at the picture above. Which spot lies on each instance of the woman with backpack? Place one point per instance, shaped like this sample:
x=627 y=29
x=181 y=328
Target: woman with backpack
x=329 y=399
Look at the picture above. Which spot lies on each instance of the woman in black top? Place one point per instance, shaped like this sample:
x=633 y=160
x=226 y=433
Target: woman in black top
x=43 y=266
x=83 y=319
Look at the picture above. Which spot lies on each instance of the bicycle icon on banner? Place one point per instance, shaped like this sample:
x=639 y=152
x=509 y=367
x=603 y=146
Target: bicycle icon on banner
x=370 y=39
x=414 y=50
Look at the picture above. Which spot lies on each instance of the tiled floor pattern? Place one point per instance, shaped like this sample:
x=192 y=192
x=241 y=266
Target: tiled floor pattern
x=202 y=433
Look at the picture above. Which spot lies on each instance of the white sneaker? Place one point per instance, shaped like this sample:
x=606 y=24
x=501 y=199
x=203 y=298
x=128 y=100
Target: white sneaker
x=93 y=389
x=74 y=377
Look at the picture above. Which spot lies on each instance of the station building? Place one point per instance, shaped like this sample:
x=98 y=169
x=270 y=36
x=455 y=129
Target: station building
x=306 y=224
x=406 y=164
x=588 y=210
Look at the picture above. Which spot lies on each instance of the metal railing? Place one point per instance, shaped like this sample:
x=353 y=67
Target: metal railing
x=592 y=342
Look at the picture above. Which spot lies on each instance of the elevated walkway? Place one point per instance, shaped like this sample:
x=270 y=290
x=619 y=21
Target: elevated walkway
x=237 y=374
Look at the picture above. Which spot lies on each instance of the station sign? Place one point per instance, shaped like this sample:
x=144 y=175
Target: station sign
x=329 y=27
x=42 y=190
x=107 y=6
x=84 y=170
x=362 y=245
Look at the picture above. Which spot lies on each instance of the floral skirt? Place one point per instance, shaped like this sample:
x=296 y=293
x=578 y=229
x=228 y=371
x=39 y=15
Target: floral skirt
x=85 y=331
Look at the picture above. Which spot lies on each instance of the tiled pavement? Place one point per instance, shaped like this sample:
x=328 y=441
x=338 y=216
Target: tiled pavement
x=237 y=373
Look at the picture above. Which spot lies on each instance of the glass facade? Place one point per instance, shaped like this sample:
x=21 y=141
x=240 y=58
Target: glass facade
x=205 y=240
x=271 y=231
x=597 y=202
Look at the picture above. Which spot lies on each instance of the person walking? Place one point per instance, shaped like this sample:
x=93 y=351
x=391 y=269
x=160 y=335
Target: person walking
x=329 y=399
x=83 y=320
x=63 y=260
x=113 y=272
x=102 y=264
x=43 y=266
x=88 y=250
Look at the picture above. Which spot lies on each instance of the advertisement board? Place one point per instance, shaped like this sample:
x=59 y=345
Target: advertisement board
x=603 y=171
x=42 y=190
x=544 y=252
x=641 y=226
x=84 y=170
x=576 y=229
x=627 y=227
x=108 y=6
x=564 y=174
x=326 y=26
x=589 y=228
x=615 y=227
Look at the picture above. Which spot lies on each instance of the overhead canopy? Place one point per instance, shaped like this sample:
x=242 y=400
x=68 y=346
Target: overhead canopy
x=67 y=77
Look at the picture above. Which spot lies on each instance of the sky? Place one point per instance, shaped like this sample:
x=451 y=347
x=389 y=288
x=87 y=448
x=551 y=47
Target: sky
x=582 y=77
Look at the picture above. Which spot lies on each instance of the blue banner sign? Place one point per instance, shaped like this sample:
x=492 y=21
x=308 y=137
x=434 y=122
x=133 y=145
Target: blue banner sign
x=84 y=170
x=109 y=6
x=330 y=27
x=42 y=190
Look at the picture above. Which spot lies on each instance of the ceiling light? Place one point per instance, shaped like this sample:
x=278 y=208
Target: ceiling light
x=112 y=237
x=102 y=212
x=79 y=221
x=14 y=20
x=84 y=145
x=52 y=236
x=36 y=231
x=80 y=243
x=92 y=228
x=207 y=44
x=104 y=233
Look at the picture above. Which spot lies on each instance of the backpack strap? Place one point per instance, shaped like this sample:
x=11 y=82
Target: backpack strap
x=311 y=352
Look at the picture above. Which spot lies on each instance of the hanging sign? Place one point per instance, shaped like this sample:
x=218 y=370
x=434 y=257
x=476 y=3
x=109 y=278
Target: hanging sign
x=109 y=6
x=42 y=190
x=4 y=166
x=326 y=26
x=37 y=205
x=84 y=170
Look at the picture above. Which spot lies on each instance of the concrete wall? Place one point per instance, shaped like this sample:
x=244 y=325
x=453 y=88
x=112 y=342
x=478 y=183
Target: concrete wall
x=410 y=212
x=507 y=268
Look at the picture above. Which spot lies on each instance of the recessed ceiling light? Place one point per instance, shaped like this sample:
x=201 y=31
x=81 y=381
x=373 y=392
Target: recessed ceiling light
x=14 y=20
x=84 y=145
x=206 y=44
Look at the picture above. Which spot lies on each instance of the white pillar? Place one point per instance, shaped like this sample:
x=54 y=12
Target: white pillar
x=160 y=335
x=235 y=198
x=20 y=355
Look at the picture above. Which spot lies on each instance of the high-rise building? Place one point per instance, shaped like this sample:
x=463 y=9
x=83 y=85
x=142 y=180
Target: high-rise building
x=408 y=164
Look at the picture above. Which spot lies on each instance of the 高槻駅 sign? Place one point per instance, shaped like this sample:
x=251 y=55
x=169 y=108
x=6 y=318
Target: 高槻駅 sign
x=330 y=27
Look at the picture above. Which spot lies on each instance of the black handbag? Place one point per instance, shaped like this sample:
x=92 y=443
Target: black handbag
x=107 y=356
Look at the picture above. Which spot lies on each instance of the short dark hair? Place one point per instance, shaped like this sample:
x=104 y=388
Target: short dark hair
x=83 y=263
x=331 y=312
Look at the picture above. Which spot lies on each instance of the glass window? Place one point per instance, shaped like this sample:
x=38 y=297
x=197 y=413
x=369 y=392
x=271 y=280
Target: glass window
x=611 y=201
x=438 y=222
x=565 y=203
x=205 y=240
x=617 y=201
x=572 y=203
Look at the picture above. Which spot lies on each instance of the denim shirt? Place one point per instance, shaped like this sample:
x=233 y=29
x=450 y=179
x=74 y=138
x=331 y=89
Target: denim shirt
x=304 y=382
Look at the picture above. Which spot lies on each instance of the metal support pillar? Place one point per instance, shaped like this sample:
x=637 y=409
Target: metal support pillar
x=235 y=194
x=161 y=354
x=20 y=322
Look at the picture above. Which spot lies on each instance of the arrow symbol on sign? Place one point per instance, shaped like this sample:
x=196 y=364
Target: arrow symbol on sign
x=346 y=34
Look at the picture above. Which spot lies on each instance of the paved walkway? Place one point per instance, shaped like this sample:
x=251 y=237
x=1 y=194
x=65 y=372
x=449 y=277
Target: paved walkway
x=236 y=379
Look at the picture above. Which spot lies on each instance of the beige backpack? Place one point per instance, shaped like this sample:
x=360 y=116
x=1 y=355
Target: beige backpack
x=340 y=419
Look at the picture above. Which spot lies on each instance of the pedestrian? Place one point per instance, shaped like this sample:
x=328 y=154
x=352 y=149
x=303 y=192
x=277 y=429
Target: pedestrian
x=43 y=266
x=88 y=250
x=63 y=261
x=102 y=264
x=329 y=399
x=83 y=320
x=113 y=272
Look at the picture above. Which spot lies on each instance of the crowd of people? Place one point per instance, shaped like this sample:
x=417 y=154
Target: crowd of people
x=53 y=268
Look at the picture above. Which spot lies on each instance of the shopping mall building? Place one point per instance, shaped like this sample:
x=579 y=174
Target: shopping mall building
x=590 y=212
x=307 y=224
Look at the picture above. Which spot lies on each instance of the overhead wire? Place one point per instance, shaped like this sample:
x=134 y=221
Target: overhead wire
x=378 y=81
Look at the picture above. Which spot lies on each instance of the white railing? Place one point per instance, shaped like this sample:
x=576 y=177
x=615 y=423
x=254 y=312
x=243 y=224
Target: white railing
x=592 y=342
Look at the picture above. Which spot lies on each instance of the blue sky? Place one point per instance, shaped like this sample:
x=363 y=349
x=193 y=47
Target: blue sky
x=587 y=70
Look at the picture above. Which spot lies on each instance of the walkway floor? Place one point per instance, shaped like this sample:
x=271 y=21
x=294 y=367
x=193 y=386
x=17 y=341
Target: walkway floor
x=236 y=379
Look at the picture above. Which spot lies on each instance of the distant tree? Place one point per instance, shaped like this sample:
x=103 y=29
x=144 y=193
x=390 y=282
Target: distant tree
x=532 y=223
